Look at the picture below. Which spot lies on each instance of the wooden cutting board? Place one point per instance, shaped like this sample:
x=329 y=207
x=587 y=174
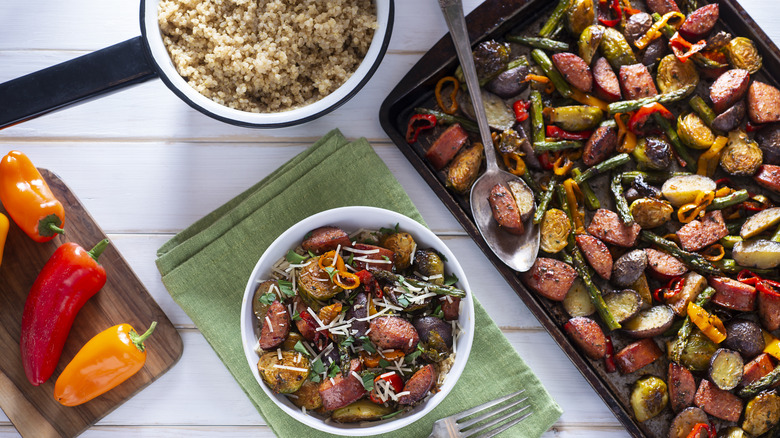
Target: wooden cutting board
x=124 y=299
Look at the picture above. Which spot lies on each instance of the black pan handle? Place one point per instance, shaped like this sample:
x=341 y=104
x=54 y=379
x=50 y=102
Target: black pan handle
x=74 y=81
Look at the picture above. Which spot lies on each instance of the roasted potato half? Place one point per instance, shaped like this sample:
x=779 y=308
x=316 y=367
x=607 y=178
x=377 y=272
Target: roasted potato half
x=651 y=322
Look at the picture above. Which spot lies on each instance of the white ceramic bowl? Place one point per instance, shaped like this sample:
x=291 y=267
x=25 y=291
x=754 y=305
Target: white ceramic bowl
x=351 y=219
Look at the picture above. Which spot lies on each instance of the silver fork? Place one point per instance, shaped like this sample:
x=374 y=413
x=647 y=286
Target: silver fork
x=503 y=409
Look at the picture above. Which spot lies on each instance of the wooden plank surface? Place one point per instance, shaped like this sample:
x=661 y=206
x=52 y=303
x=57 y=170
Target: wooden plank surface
x=146 y=166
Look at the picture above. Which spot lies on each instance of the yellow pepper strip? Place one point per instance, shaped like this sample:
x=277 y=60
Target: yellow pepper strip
x=626 y=138
x=562 y=165
x=4 y=224
x=371 y=306
x=714 y=252
x=328 y=313
x=689 y=212
x=723 y=191
x=569 y=187
x=771 y=345
x=709 y=324
x=708 y=161
x=514 y=163
x=352 y=280
x=674 y=19
x=587 y=99
x=537 y=78
x=573 y=154
x=326 y=260
x=673 y=237
x=453 y=101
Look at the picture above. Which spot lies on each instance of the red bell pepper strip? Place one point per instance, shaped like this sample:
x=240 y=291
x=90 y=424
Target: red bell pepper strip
x=769 y=287
x=748 y=277
x=393 y=379
x=561 y=134
x=680 y=45
x=603 y=13
x=70 y=277
x=545 y=161
x=751 y=127
x=417 y=124
x=520 y=108
x=640 y=118
x=698 y=428
x=609 y=358
x=370 y=285
x=674 y=287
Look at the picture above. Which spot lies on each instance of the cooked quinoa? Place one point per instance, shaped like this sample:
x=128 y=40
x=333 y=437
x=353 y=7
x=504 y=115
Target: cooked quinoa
x=266 y=55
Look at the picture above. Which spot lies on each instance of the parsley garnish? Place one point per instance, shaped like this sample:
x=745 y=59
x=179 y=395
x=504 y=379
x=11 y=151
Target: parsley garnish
x=317 y=368
x=334 y=369
x=301 y=349
x=367 y=345
x=391 y=415
x=368 y=380
x=393 y=230
x=403 y=301
x=286 y=288
x=409 y=358
x=450 y=279
x=267 y=299
x=296 y=316
x=384 y=363
x=438 y=312
x=346 y=343
x=294 y=258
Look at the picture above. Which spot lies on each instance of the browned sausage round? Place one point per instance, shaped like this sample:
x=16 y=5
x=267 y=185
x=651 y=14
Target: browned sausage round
x=444 y=149
x=729 y=88
x=505 y=211
x=703 y=232
x=341 y=391
x=717 y=402
x=450 y=306
x=574 y=70
x=418 y=385
x=637 y=82
x=769 y=310
x=682 y=387
x=763 y=103
x=733 y=294
x=605 y=82
x=597 y=253
x=324 y=239
x=664 y=266
x=587 y=334
x=662 y=6
x=376 y=257
x=392 y=332
x=768 y=176
x=607 y=226
x=275 y=328
x=700 y=22
x=637 y=355
x=550 y=278
x=601 y=144
x=756 y=369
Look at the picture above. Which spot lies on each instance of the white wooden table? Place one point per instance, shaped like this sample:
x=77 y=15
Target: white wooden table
x=146 y=166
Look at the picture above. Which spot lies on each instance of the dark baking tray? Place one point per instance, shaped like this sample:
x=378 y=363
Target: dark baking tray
x=492 y=19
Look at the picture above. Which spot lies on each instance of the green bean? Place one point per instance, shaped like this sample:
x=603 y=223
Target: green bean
x=591 y=200
x=555 y=19
x=537 y=118
x=761 y=384
x=434 y=288
x=551 y=146
x=547 y=66
x=595 y=294
x=703 y=110
x=680 y=148
x=517 y=62
x=544 y=201
x=729 y=200
x=632 y=105
x=621 y=205
x=539 y=43
x=651 y=177
x=449 y=119
x=532 y=184
x=729 y=241
x=616 y=161
x=691 y=259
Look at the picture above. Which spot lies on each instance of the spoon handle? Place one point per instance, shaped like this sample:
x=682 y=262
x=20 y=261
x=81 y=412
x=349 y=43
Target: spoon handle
x=456 y=23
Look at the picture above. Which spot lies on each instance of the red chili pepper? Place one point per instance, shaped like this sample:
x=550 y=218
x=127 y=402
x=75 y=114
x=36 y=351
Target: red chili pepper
x=545 y=161
x=521 y=110
x=603 y=13
x=370 y=285
x=754 y=126
x=70 y=277
x=417 y=124
x=680 y=45
x=769 y=287
x=561 y=134
x=699 y=427
x=609 y=358
x=393 y=379
x=748 y=277
x=674 y=287
x=640 y=118
x=753 y=206
x=723 y=182
x=318 y=334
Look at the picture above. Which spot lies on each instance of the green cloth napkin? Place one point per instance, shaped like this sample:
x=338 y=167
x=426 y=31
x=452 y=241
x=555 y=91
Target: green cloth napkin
x=206 y=266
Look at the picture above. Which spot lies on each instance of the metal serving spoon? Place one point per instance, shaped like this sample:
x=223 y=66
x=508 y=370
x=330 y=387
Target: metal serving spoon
x=517 y=251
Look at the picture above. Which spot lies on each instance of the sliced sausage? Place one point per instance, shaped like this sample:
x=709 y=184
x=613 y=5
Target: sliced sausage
x=597 y=253
x=717 y=402
x=276 y=327
x=729 y=88
x=371 y=256
x=392 y=332
x=732 y=294
x=731 y=118
x=605 y=82
x=607 y=226
x=769 y=310
x=768 y=176
x=763 y=103
x=550 y=278
x=444 y=149
x=450 y=306
x=418 y=385
x=574 y=69
x=682 y=387
x=757 y=368
x=324 y=239
x=700 y=22
x=358 y=311
x=505 y=211
x=662 y=6
x=601 y=144
x=698 y=234
x=663 y=265
x=637 y=25
x=637 y=355
x=587 y=334
x=768 y=139
x=637 y=82
x=341 y=390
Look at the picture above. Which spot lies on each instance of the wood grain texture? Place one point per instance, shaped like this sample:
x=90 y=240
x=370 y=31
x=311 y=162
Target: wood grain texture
x=123 y=299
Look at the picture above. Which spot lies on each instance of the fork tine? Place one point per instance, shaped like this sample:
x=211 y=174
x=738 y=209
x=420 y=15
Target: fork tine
x=504 y=427
x=489 y=404
x=491 y=413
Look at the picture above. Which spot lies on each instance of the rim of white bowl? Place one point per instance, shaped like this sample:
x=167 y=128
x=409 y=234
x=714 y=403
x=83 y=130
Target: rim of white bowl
x=362 y=217
x=158 y=55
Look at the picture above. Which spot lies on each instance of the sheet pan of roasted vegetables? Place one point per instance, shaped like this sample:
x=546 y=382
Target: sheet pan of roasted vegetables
x=649 y=133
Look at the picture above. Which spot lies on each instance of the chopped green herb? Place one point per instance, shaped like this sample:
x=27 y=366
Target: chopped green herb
x=450 y=279
x=296 y=316
x=442 y=257
x=348 y=342
x=386 y=258
x=301 y=349
x=390 y=230
x=286 y=288
x=409 y=358
x=367 y=345
x=317 y=366
x=403 y=300
x=331 y=271
x=311 y=254
x=368 y=380
x=295 y=258
x=391 y=415
x=384 y=363
x=314 y=377
x=334 y=369
x=268 y=298
x=350 y=259
x=438 y=312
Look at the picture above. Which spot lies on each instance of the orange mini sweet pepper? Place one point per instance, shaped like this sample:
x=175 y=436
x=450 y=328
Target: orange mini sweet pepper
x=28 y=199
x=105 y=361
